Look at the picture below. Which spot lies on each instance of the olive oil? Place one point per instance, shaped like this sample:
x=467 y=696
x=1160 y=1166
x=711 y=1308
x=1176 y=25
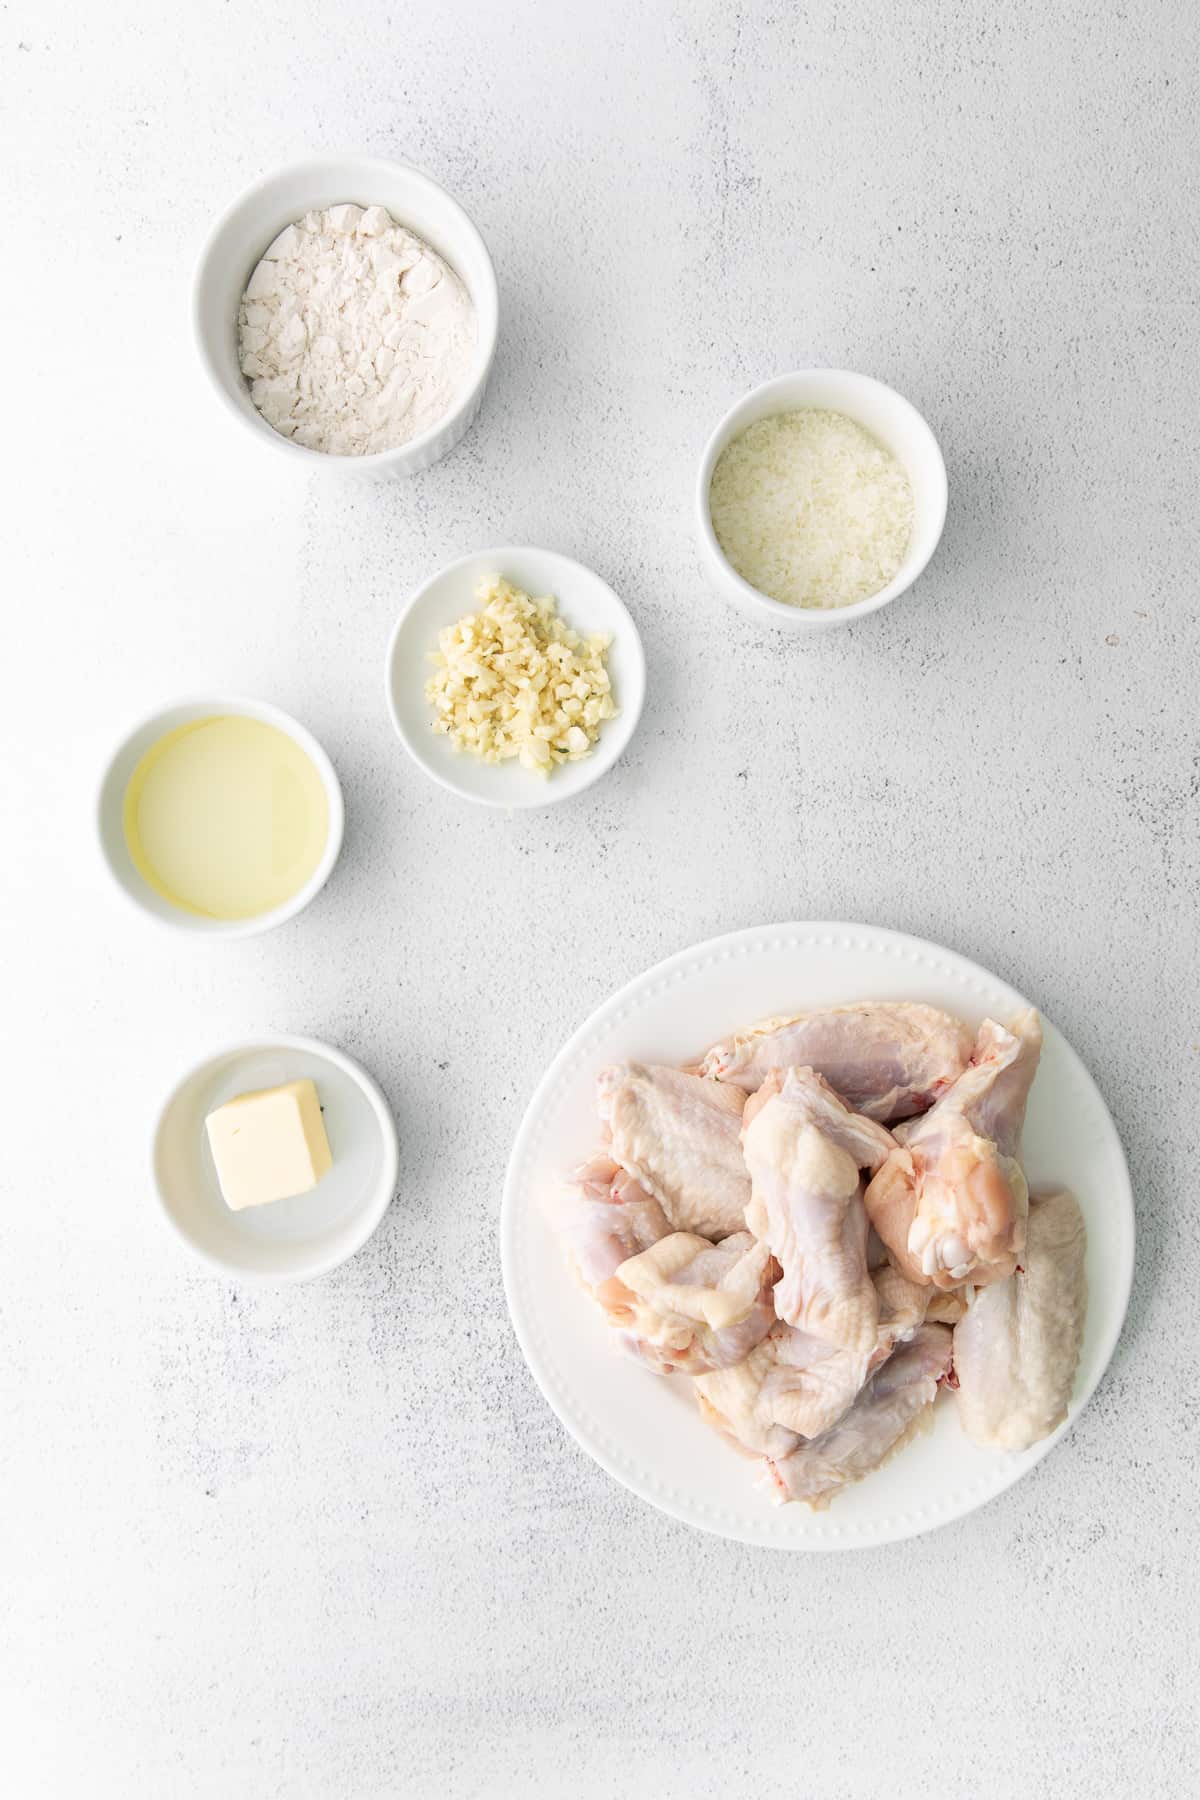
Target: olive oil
x=226 y=817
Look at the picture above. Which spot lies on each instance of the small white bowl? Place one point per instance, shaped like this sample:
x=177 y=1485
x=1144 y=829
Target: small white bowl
x=291 y=1240
x=585 y=603
x=110 y=815
x=887 y=416
x=235 y=248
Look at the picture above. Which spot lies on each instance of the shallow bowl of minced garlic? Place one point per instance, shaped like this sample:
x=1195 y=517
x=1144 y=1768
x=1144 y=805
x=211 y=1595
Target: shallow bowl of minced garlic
x=822 y=496
x=515 y=677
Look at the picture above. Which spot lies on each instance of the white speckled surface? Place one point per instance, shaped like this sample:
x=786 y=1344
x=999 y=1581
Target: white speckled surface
x=329 y=1541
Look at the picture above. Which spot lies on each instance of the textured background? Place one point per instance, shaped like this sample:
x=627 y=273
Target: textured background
x=329 y=1541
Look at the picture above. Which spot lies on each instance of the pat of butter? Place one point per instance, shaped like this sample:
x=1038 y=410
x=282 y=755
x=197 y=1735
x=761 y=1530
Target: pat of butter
x=269 y=1145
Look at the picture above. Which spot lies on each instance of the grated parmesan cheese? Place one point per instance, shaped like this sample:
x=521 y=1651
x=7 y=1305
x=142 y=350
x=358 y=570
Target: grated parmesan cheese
x=513 y=680
x=811 y=509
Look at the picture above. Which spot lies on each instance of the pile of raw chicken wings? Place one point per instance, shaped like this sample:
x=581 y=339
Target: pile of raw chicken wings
x=825 y=1221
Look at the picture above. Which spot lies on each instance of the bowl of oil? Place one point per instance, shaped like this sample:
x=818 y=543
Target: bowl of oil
x=221 y=817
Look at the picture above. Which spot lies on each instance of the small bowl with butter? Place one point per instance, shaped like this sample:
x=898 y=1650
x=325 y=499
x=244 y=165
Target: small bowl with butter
x=275 y=1159
x=222 y=817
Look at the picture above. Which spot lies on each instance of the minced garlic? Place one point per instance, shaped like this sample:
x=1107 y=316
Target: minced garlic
x=513 y=680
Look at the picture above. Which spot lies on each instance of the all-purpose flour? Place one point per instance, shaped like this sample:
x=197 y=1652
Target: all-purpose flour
x=354 y=335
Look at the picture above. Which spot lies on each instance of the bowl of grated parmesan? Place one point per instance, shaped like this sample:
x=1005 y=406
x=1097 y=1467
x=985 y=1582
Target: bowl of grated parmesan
x=821 y=497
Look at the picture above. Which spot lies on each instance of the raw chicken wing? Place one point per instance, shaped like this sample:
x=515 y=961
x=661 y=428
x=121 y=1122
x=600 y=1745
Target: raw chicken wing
x=714 y=1284
x=680 y=1137
x=752 y=1225
x=687 y=1305
x=1016 y=1352
x=605 y=1217
x=888 y=1410
x=734 y=1402
x=793 y=1384
x=950 y=1202
x=789 y=1387
x=887 y=1059
x=804 y=1149
x=812 y=1385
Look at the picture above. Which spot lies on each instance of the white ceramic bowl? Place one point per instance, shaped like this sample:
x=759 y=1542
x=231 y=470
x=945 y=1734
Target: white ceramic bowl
x=887 y=416
x=585 y=602
x=110 y=821
x=291 y=1240
x=249 y=226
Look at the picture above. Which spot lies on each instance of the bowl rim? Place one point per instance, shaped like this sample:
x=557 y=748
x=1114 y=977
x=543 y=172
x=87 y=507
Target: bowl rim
x=371 y=1216
x=603 y=758
x=197 y=925
x=486 y=303
x=778 y=611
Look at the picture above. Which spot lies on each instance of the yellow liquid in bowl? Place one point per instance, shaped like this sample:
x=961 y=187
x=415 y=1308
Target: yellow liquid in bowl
x=226 y=817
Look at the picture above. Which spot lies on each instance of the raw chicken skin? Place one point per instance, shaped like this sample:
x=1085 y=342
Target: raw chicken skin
x=714 y=1284
x=903 y=1305
x=605 y=1217
x=887 y=1059
x=679 y=1136
x=804 y=1149
x=938 y=1307
x=793 y=1386
x=733 y=1401
x=812 y=1386
x=947 y=1305
x=886 y=1413
x=687 y=1306
x=1016 y=1352
x=951 y=1201
x=790 y=1386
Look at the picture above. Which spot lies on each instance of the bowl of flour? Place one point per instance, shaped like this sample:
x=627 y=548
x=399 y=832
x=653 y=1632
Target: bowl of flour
x=345 y=310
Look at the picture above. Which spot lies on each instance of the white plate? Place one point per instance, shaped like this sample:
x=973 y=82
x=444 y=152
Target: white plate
x=296 y=1239
x=585 y=603
x=643 y=1428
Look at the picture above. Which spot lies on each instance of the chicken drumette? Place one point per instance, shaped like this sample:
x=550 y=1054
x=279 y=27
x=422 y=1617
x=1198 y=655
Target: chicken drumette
x=950 y=1202
x=804 y=1150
